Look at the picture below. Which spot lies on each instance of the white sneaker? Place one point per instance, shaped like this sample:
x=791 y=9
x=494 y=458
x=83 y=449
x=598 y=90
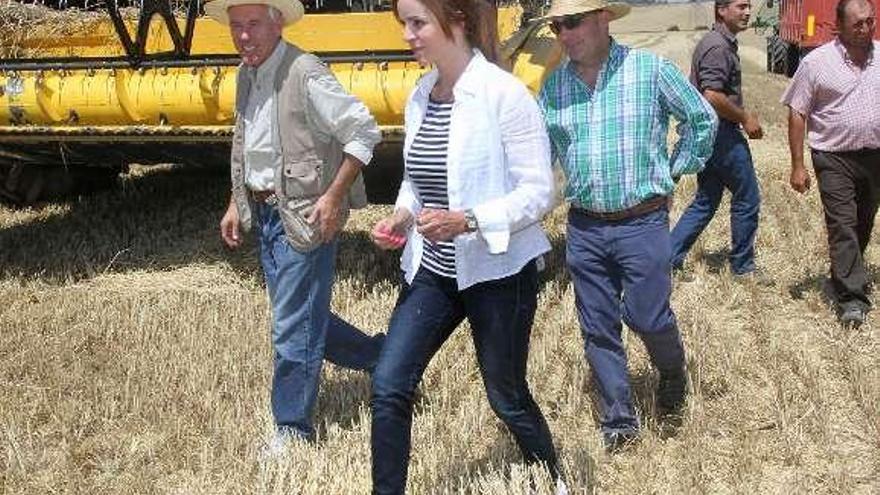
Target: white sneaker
x=561 y=489
x=277 y=446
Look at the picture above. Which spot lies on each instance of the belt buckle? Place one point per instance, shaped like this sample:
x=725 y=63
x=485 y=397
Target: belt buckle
x=264 y=197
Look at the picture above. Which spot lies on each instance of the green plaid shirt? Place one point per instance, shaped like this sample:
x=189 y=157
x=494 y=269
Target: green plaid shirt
x=611 y=140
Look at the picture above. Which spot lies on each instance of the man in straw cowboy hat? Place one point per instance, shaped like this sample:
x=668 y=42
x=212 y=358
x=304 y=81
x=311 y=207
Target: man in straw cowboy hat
x=607 y=110
x=299 y=144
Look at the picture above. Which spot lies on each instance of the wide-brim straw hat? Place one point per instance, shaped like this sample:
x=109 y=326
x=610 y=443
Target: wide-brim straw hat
x=561 y=8
x=291 y=10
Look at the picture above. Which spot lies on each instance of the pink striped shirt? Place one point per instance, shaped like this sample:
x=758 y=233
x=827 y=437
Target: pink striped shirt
x=842 y=105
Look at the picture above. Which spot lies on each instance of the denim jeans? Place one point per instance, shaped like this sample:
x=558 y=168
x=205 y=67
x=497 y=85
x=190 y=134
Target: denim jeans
x=620 y=271
x=304 y=331
x=730 y=166
x=500 y=313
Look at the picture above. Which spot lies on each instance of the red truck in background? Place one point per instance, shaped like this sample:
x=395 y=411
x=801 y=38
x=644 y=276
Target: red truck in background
x=796 y=27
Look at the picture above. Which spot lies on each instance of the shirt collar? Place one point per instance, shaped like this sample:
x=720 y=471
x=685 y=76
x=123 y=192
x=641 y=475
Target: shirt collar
x=470 y=77
x=466 y=83
x=722 y=29
x=844 y=54
x=616 y=54
x=268 y=67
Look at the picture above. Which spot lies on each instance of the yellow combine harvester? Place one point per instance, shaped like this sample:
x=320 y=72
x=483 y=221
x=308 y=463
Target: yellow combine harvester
x=85 y=100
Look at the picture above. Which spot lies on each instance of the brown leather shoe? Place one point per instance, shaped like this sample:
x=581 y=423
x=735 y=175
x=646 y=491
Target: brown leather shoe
x=852 y=315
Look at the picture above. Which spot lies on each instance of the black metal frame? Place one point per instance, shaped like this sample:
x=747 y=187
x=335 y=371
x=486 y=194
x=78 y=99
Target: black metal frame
x=181 y=56
x=136 y=49
x=74 y=63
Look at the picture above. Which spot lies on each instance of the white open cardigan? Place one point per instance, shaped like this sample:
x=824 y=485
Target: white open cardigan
x=498 y=165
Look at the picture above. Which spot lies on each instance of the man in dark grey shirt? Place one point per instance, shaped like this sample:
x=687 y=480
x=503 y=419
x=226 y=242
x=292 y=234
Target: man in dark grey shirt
x=716 y=72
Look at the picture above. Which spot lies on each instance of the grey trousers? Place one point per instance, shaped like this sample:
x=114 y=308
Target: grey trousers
x=849 y=186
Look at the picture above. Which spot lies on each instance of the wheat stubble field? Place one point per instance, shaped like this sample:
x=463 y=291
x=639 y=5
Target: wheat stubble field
x=135 y=357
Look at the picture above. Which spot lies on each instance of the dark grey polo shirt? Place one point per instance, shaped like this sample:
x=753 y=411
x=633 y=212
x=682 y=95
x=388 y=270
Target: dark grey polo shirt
x=715 y=64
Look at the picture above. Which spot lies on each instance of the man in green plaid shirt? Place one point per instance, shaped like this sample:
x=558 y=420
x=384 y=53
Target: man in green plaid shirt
x=608 y=110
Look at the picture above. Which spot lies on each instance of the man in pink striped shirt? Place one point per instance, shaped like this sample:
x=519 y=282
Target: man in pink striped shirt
x=835 y=94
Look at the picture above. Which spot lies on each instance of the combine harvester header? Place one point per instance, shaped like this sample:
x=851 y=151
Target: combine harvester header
x=84 y=98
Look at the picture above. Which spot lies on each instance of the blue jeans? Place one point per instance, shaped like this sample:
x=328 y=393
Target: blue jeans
x=620 y=271
x=304 y=331
x=729 y=167
x=500 y=313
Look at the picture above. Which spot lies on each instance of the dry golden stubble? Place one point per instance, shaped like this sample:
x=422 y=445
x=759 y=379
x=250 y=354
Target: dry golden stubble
x=135 y=356
x=21 y=23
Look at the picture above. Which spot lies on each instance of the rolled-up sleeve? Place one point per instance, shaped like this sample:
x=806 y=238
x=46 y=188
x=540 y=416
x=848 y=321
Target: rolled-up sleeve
x=714 y=69
x=406 y=196
x=697 y=121
x=343 y=116
x=527 y=153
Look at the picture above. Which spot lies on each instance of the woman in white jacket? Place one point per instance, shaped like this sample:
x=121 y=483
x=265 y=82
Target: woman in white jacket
x=477 y=182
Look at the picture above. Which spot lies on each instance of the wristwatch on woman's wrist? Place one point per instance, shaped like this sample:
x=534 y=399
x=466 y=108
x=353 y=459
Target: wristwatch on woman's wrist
x=471 y=220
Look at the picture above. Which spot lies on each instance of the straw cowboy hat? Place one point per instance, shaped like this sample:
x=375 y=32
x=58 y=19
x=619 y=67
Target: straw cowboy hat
x=291 y=10
x=561 y=8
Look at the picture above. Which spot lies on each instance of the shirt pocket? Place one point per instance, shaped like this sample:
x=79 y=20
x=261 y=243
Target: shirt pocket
x=301 y=177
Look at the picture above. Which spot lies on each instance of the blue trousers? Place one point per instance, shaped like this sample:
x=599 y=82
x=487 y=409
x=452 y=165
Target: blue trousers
x=304 y=331
x=428 y=310
x=729 y=167
x=620 y=272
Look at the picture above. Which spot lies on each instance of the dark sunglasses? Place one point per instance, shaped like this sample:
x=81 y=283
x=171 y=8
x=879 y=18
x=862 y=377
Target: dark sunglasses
x=567 y=21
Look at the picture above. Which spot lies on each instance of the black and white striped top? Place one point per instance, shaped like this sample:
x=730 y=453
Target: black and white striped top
x=426 y=166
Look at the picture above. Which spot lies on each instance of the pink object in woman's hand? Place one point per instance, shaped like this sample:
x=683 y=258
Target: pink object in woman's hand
x=388 y=235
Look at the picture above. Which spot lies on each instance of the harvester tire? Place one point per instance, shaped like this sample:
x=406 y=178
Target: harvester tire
x=777 y=55
x=27 y=184
x=793 y=59
x=22 y=185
